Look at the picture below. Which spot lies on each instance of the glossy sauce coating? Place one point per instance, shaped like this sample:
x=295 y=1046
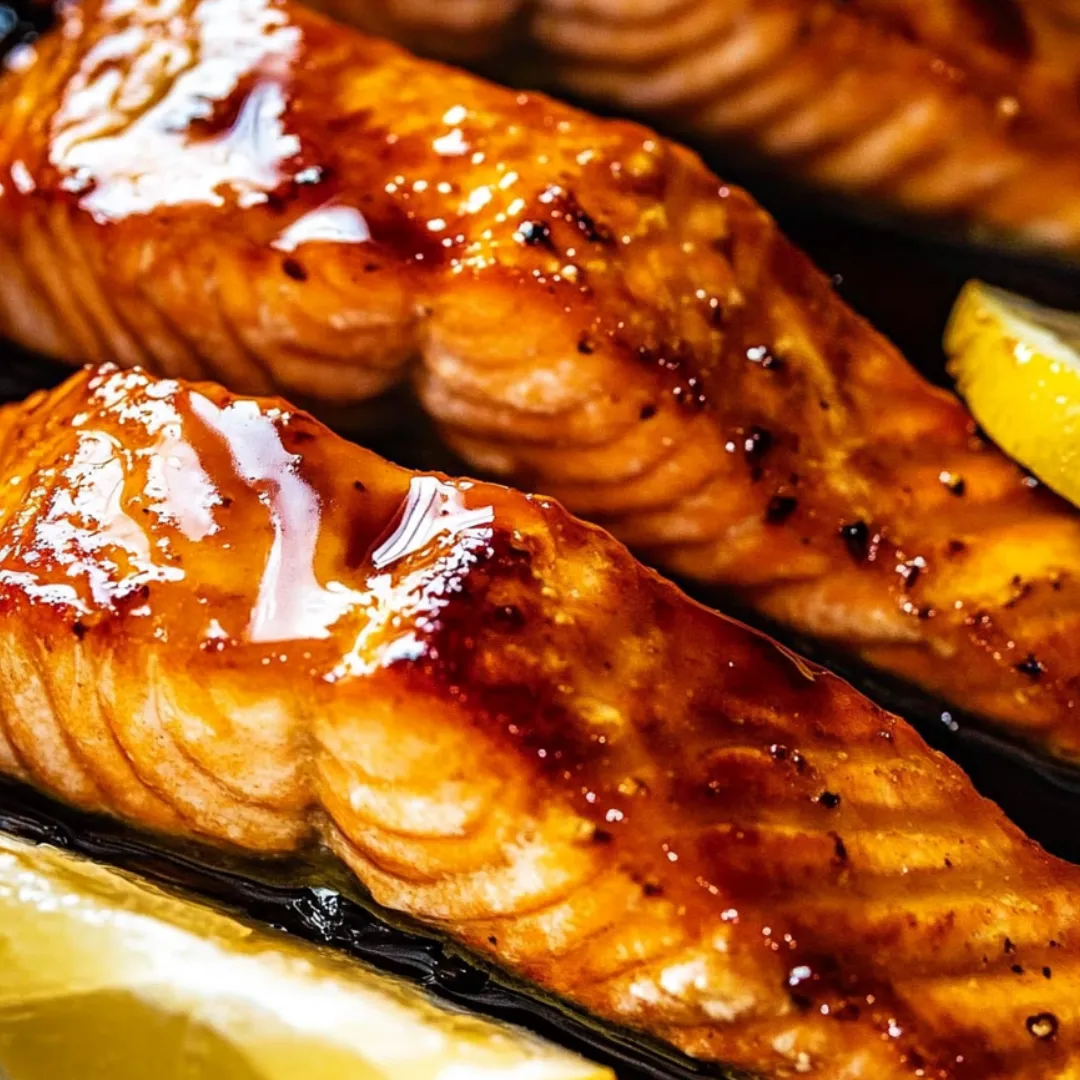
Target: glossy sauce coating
x=238 y=188
x=508 y=728
x=965 y=109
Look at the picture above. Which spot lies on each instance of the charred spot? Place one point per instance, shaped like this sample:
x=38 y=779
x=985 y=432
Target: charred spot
x=370 y=268
x=856 y=536
x=956 y=547
x=294 y=269
x=849 y=1012
x=647 y=412
x=724 y=246
x=781 y=753
x=780 y=508
x=676 y=359
x=757 y=443
x=1043 y=1026
x=1010 y=948
x=395 y=230
x=602 y=836
x=1017 y=969
x=915 y=1060
x=587 y=225
x=1031 y=666
x=910 y=572
x=1047 y=973
x=765 y=358
x=359 y=485
x=956 y=485
x=509 y=616
x=829 y=799
x=537 y=234
x=80 y=629
x=493 y=940
x=585 y=345
x=839 y=849
x=1023 y=590
x=650 y=888
x=225 y=501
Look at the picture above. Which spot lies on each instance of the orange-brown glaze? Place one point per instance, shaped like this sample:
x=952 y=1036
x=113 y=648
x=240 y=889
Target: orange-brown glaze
x=278 y=202
x=962 y=108
x=218 y=619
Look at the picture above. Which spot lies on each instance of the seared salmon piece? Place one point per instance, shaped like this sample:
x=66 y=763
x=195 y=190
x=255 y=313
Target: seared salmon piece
x=964 y=109
x=218 y=619
x=240 y=189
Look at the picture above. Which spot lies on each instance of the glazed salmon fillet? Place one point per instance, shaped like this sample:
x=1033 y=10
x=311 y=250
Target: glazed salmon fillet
x=966 y=109
x=218 y=619
x=239 y=189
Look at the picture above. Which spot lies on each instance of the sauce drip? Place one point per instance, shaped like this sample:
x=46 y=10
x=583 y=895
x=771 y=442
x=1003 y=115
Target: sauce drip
x=291 y=602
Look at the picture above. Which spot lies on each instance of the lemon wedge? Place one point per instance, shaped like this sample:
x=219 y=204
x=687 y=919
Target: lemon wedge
x=1017 y=364
x=104 y=977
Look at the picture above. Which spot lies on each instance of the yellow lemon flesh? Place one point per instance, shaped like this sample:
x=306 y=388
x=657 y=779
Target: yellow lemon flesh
x=104 y=977
x=1017 y=364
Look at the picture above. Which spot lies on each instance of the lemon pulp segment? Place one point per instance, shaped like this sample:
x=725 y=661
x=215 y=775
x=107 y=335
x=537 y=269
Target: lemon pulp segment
x=1017 y=364
x=105 y=977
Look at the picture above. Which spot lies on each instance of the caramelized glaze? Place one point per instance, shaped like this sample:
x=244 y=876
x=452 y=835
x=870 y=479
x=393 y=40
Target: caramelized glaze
x=966 y=109
x=511 y=730
x=239 y=188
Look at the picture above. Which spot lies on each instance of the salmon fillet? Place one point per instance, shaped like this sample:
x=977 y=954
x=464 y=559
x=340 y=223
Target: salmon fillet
x=962 y=108
x=239 y=189
x=219 y=620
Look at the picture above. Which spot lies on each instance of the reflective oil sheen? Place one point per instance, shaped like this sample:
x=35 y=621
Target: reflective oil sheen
x=505 y=726
x=134 y=507
x=218 y=131
x=240 y=189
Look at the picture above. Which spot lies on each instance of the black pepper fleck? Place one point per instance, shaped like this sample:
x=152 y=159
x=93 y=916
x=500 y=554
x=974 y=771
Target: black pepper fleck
x=1031 y=667
x=294 y=269
x=856 y=535
x=780 y=508
x=536 y=234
